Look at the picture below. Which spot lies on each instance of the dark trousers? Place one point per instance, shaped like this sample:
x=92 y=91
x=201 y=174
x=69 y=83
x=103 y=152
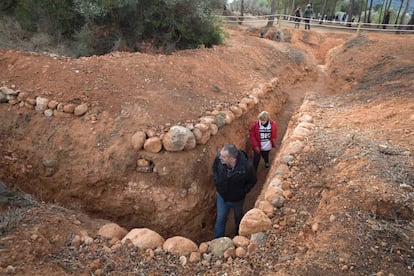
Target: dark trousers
x=256 y=158
x=307 y=24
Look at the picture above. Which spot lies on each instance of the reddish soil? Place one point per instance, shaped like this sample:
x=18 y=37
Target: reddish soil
x=350 y=207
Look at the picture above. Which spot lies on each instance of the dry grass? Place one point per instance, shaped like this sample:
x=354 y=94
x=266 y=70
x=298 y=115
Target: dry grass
x=10 y=220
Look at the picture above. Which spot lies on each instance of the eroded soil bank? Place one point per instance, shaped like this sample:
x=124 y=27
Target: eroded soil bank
x=349 y=205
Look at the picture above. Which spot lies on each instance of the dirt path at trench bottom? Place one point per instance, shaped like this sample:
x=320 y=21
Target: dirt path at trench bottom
x=350 y=207
x=296 y=93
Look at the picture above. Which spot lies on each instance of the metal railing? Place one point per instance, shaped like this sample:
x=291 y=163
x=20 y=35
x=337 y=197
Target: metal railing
x=289 y=20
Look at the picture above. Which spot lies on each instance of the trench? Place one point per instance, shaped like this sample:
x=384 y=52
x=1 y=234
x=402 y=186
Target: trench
x=282 y=120
x=200 y=220
x=296 y=93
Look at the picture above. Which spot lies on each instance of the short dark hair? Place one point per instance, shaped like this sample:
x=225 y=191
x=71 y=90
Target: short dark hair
x=231 y=149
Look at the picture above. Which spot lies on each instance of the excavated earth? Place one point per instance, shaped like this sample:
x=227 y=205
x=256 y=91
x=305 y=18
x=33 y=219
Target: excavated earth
x=349 y=192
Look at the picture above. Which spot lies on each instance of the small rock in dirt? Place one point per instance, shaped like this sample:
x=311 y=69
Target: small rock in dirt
x=138 y=140
x=229 y=253
x=203 y=247
x=251 y=248
x=259 y=238
x=3 y=98
x=10 y=269
x=48 y=112
x=207 y=257
x=315 y=227
x=183 y=260
x=52 y=104
x=81 y=109
x=287 y=159
x=153 y=145
x=41 y=103
x=194 y=257
x=50 y=163
x=143 y=163
x=76 y=241
x=241 y=241
x=240 y=252
x=69 y=108
x=278 y=201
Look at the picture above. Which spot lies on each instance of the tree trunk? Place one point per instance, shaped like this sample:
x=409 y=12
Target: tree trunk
x=380 y=13
x=360 y=10
x=399 y=11
x=351 y=8
x=272 y=12
x=241 y=11
x=389 y=6
x=323 y=9
x=369 y=12
x=411 y=21
x=407 y=6
x=365 y=12
x=293 y=7
x=333 y=8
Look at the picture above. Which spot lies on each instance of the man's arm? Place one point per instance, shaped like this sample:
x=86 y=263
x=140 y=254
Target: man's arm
x=219 y=180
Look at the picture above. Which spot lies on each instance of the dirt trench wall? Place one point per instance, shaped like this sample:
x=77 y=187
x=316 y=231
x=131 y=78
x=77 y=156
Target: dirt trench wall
x=66 y=161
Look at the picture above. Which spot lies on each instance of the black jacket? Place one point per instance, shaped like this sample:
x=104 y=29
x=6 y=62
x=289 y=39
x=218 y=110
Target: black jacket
x=238 y=183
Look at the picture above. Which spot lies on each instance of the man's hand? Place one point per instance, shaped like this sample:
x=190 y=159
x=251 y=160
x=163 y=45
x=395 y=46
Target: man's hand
x=256 y=149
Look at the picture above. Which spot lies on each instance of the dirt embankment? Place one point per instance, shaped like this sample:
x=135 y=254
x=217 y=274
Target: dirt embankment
x=348 y=207
x=88 y=162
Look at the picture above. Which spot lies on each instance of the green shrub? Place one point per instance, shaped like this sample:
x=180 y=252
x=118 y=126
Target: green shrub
x=7 y=5
x=57 y=18
x=168 y=24
x=83 y=42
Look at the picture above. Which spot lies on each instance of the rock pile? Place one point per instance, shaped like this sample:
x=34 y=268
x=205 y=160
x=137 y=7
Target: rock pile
x=171 y=138
x=179 y=138
x=41 y=104
x=183 y=138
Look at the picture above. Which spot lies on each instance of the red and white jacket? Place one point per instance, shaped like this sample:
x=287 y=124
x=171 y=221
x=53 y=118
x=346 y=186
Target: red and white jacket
x=255 y=134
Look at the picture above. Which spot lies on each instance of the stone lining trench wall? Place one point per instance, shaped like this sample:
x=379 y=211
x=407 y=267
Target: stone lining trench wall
x=106 y=175
x=176 y=138
x=255 y=222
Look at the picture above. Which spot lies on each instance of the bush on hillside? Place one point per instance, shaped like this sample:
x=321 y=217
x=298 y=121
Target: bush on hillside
x=98 y=27
x=57 y=18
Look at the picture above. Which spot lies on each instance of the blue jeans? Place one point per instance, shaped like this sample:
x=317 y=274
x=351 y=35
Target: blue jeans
x=223 y=209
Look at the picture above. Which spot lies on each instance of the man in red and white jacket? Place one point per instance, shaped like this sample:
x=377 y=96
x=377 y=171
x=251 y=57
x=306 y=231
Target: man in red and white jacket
x=263 y=134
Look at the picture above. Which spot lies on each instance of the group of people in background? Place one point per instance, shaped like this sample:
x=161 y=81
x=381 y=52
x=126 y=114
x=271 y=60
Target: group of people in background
x=307 y=15
x=235 y=175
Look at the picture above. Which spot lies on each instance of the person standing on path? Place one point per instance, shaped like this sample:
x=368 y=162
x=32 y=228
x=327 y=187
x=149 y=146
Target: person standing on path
x=263 y=134
x=308 y=15
x=234 y=176
x=386 y=20
x=297 y=18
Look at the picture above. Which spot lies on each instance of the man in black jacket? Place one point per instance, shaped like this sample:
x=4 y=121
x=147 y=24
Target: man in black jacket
x=234 y=177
